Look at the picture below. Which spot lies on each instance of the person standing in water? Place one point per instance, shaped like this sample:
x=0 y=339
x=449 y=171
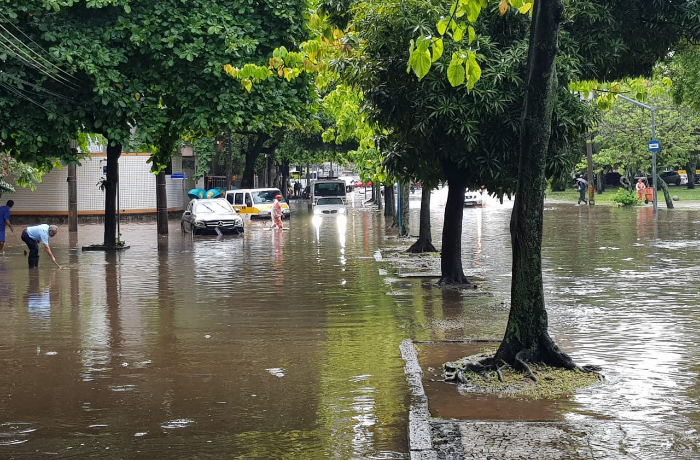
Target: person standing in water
x=32 y=236
x=5 y=222
x=277 y=212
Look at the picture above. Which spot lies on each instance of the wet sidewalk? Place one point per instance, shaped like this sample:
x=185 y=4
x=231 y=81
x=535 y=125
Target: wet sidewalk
x=578 y=438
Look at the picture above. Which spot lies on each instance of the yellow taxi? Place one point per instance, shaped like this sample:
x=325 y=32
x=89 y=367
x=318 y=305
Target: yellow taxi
x=256 y=202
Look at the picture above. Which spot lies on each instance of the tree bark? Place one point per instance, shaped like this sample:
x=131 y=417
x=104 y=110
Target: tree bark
x=251 y=156
x=285 y=177
x=451 y=256
x=690 y=169
x=378 y=196
x=664 y=186
x=527 y=323
x=111 y=184
x=425 y=238
x=403 y=210
x=161 y=204
x=389 y=207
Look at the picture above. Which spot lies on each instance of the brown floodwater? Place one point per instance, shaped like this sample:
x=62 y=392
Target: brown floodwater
x=285 y=344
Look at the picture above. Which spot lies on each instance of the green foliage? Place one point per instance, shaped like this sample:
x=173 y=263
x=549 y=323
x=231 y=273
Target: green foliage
x=685 y=69
x=625 y=129
x=156 y=65
x=625 y=197
x=463 y=65
x=22 y=174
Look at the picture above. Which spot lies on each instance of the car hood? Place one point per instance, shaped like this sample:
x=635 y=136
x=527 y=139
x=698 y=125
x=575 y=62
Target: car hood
x=218 y=216
x=319 y=208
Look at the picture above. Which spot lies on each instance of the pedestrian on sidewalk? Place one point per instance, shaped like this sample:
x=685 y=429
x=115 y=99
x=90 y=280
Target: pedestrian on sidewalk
x=5 y=222
x=32 y=236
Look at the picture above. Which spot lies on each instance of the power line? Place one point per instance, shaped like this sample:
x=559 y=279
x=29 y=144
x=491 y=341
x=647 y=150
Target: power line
x=30 y=61
x=18 y=93
x=5 y=76
x=35 y=44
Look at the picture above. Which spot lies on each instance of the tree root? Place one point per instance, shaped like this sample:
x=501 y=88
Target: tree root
x=546 y=354
x=498 y=372
x=522 y=366
x=421 y=246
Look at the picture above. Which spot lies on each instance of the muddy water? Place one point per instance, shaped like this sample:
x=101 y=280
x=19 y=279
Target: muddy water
x=622 y=292
x=266 y=345
x=285 y=345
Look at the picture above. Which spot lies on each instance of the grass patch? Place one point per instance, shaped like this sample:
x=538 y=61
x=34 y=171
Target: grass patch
x=552 y=383
x=681 y=191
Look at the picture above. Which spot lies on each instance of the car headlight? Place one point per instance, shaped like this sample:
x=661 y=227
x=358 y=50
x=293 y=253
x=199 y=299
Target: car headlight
x=341 y=211
x=199 y=223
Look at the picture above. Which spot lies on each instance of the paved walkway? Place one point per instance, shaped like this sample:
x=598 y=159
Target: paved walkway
x=432 y=439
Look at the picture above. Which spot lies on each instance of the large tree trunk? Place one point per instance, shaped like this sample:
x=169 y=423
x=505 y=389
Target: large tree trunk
x=526 y=336
x=111 y=184
x=425 y=238
x=451 y=256
x=166 y=147
x=251 y=156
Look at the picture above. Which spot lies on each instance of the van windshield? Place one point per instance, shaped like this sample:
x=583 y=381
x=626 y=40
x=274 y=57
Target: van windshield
x=329 y=189
x=265 y=196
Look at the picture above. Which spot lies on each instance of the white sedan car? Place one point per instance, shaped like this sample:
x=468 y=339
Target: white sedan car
x=473 y=198
x=329 y=206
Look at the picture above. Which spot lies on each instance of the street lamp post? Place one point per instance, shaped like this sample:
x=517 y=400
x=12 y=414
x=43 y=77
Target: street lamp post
x=653 y=138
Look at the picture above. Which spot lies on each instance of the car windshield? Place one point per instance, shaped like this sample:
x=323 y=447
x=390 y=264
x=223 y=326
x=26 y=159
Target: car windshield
x=329 y=189
x=330 y=201
x=265 y=196
x=210 y=207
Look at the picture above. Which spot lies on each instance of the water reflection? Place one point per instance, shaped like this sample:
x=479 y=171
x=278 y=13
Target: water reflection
x=340 y=222
x=285 y=344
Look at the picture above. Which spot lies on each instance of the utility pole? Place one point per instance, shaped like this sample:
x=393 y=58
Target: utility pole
x=589 y=155
x=72 y=193
x=228 y=161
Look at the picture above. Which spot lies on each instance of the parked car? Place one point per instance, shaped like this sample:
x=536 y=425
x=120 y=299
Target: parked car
x=208 y=215
x=671 y=177
x=329 y=206
x=473 y=198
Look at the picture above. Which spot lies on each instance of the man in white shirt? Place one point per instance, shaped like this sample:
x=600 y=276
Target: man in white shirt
x=32 y=236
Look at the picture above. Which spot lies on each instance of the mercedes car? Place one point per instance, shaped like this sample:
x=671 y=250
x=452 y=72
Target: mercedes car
x=212 y=216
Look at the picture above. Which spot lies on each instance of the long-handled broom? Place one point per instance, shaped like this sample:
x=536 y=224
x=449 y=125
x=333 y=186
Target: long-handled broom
x=20 y=242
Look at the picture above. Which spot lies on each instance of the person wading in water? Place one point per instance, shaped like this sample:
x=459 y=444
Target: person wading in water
x=32 y=236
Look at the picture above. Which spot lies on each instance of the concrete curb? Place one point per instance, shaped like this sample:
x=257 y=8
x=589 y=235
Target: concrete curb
x=582 y=438
x=420 y=442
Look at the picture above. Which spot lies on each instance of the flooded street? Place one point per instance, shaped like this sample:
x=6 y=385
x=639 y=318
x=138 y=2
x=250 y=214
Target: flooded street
x=285 y=344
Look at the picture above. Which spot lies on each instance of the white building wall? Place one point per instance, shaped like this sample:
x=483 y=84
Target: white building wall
x=137 y=188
